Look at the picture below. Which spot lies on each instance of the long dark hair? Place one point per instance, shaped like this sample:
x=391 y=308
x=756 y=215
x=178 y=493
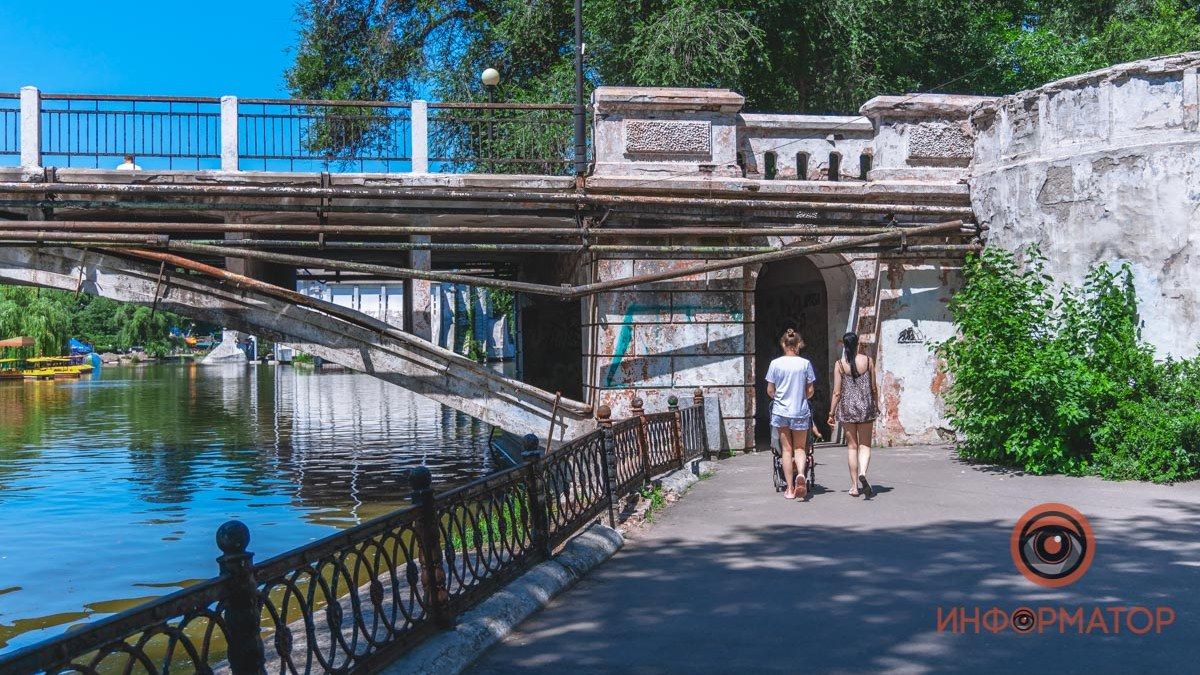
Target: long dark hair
x=850 y=349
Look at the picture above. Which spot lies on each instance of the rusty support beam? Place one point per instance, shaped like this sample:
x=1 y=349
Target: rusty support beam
x=530 y=198
x=499 y=230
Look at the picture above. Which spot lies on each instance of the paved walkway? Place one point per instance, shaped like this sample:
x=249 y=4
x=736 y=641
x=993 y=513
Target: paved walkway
x=734 y=578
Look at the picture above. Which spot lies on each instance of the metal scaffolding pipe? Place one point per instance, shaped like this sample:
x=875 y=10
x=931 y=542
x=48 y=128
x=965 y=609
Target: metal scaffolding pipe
x=282 y=228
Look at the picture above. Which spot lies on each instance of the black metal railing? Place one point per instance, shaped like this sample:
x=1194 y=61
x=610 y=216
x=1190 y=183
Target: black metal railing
x=98 y=131
x=356 y=599
x=501 y=138
x=10 y=125
x=288 y=135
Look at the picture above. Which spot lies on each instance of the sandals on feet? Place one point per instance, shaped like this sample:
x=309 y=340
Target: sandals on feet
x=801 y=488
x=865 y=487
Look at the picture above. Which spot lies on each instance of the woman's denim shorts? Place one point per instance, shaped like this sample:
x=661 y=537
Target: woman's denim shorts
x=793 y=423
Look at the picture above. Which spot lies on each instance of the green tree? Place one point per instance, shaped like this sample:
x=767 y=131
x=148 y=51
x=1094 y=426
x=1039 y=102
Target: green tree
x=34 y=313
x=783 y=55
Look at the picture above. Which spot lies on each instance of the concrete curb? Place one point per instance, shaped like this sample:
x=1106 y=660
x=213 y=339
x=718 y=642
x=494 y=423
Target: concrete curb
x=478 y=630
x=680 y=481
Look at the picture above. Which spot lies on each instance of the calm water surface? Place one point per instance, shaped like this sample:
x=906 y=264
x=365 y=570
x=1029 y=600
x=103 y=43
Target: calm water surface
x=112 y=487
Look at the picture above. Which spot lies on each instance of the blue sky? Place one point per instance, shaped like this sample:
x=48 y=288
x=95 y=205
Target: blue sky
x=170 y=47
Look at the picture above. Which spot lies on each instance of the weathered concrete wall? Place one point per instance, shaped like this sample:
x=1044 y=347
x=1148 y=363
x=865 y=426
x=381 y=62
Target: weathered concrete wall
x=815 y=138
x=912 y=317
x=672 y=337
x=922 y=137
x=1103 y=167
x=665 y=131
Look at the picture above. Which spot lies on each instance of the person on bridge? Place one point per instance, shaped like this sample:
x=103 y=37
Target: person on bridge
x=790 y=384
x=128 y=165
x=856 y=405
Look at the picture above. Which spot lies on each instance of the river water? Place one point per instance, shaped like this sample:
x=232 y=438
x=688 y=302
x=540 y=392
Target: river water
x=112 y=487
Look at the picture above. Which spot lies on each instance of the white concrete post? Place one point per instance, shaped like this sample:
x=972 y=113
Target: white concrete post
x=31 y=127
x=420 y=136
x=229 y=133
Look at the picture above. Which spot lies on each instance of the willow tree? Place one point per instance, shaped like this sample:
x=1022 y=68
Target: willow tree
x=41 y=315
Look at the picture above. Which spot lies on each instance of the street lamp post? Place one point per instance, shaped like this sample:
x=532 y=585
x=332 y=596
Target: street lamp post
x=490 y=78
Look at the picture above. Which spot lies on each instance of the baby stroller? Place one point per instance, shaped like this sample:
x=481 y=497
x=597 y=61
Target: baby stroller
x=810 y=472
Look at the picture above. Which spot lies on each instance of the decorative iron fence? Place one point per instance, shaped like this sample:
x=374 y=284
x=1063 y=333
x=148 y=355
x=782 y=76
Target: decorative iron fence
x=10 y=125
x=356 y=599
x=286 y=135
x=500 y=138
x=98 y=131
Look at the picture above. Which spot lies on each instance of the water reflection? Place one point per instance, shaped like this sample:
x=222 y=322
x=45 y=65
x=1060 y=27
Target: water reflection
x=114 y=485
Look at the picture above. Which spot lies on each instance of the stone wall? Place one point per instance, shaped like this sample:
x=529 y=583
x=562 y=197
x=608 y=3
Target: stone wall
x=1103 y=167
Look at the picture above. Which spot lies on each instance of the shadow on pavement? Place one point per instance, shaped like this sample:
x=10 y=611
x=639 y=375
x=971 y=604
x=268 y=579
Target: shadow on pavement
x=806 y=597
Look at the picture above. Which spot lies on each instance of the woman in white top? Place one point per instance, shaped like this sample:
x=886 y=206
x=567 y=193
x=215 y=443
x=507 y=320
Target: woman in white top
x=790 y=384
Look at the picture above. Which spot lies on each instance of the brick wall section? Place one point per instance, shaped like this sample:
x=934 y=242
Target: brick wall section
x=673 y=337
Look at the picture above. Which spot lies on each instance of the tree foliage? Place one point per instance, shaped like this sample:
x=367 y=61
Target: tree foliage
x=52 y=317
x=1063 y=382
x=783 y=55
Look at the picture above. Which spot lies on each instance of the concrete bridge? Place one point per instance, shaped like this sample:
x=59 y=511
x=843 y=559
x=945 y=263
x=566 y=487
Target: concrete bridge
x=697 y=234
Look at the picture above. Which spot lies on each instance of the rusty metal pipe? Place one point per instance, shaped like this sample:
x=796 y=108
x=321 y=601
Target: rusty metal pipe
x=785 y=254
x=389 y=246
x=350 y=316
x=282 y=228
x=526 y=197
x=366 y=268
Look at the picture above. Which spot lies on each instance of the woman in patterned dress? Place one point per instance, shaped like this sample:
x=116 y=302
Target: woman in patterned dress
x=856 y=405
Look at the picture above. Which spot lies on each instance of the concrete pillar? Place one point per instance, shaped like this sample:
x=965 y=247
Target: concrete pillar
x=420 y=136
x=417 y=295
x=229 y=133
x=31 y=127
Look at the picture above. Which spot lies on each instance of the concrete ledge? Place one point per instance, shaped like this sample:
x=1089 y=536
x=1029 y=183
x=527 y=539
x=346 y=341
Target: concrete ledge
x=680 y=481
x=454 y=650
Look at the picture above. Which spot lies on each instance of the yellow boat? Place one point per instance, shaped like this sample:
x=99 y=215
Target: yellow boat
x=53 y=368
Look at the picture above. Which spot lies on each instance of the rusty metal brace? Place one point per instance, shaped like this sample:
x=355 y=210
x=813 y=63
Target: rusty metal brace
x=82 y=269
x=553 y=416
x=162 y=269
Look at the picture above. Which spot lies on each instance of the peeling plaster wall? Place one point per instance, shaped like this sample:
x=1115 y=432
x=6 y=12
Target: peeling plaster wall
x=912 y=316
x=1103 y=167
x=670 y=338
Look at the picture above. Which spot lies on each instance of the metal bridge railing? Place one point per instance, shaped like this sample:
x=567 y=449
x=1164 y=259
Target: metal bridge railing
x=98 y=131
x=354 y=600
x=10 y=126
x=500 y=138
x=231 y=134
x=285 y=135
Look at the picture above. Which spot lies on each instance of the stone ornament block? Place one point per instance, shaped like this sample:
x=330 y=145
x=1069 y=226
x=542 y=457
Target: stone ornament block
x=921 y=136
x=657 y=131
x=659 y=137
x=939 y=144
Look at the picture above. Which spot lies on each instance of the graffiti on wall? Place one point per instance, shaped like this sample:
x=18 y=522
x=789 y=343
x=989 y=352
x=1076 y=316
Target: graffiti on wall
x=624 y=339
